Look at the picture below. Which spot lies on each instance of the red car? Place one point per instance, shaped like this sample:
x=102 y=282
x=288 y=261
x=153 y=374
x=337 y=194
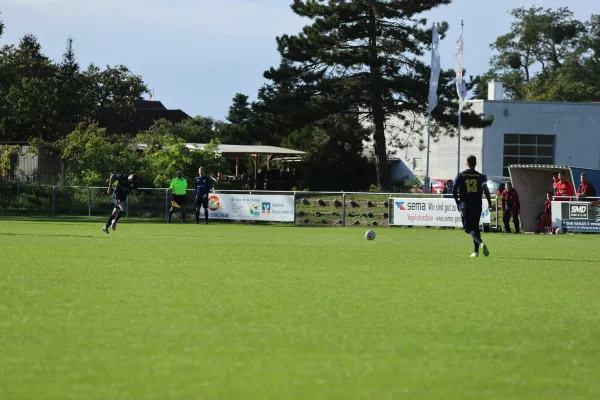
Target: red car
x=437 y=185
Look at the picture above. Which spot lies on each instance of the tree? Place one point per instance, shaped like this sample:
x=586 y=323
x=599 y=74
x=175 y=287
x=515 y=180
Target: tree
x=334 y=157
x=198 y=129
x=362 y=58
x=90 y=155
x=8 y=153
x=532 y=55
x=165 y=154
x=71 y=108
x=43 y=99
x=27 y=91
x=112 y=92
x=238 y=130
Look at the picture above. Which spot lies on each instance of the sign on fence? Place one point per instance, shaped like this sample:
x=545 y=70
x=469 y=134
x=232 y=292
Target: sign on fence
x=250 y=207
x=431 y=212
x=577 y=217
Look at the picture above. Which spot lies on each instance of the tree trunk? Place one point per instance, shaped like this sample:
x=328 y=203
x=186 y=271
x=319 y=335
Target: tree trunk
x=383 y=172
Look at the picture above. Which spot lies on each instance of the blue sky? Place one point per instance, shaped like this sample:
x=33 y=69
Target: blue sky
x=196 y=54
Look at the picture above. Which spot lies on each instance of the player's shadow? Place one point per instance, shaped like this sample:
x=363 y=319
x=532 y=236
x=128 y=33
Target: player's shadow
x=41 y=234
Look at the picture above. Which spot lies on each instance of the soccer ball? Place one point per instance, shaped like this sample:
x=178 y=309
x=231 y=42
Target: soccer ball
x=370 y=235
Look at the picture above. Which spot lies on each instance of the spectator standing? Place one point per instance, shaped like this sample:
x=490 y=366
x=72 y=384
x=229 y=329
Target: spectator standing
x=511 y=207
x=564 y=188
x=586 y=189
x=447 y=192
x=555 y=181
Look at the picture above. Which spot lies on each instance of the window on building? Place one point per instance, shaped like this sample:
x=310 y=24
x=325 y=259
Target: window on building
x=527 y=149
x=418 y=164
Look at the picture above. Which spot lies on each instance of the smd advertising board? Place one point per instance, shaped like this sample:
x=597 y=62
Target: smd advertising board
x=250 y=207
x=430 y=212
x=576 y=216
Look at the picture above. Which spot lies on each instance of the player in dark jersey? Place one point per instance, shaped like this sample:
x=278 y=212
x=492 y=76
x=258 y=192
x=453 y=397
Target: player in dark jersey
x=126 y=183
x=469 y=186
x=202 y=187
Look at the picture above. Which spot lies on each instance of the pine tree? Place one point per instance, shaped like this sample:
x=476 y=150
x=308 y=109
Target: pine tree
x=364 y=57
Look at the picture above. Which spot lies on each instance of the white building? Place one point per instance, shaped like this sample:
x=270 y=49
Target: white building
x=521 y=133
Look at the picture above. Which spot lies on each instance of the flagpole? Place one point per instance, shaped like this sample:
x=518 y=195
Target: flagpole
x=427 y=179
x=433 y=86
x=458 y=160
x=459 y=86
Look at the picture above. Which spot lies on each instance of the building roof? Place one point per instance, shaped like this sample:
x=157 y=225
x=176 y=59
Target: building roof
x=149 y=105
x=247 y=149
x=141 y=120
x=542 y=166
x=234 y=149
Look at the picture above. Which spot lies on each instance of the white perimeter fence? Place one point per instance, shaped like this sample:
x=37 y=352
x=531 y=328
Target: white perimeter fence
x=300 y=208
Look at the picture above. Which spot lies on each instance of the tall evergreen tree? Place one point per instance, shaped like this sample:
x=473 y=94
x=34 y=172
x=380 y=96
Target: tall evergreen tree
x=27 y=91
x=363 y=57
x=238 y=130
x=71 y=103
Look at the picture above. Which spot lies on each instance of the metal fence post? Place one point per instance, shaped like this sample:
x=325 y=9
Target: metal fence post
x=390 y=210
x=343 y=209
x=496 y=213
x=18 y=198
x=167 y=204
x=127 y=207
x=90 y=203
x=295 y=208
x=53 y=198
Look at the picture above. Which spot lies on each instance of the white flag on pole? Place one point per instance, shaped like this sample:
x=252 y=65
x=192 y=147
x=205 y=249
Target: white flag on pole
x=435 y=71
x=461 y=88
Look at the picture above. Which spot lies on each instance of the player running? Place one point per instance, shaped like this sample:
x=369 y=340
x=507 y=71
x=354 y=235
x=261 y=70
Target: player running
x=468 y=188
x=126 y=183
x=202 y=187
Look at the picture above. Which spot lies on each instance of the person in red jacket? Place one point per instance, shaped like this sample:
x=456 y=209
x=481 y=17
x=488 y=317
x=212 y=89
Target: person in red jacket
x=545 y=218
x=586 y=189
x=511 y=207
x=555 y=182
x=564 y=189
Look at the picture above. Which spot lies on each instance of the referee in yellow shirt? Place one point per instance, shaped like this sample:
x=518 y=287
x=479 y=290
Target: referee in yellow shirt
x=178 y=190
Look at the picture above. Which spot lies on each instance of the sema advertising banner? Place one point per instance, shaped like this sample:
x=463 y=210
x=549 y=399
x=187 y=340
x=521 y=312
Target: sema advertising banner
x=249 y=207
x=431 y=212
x=580 y=217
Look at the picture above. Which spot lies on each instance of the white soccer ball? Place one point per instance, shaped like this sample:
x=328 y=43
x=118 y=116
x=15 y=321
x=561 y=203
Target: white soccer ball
x=370 y=235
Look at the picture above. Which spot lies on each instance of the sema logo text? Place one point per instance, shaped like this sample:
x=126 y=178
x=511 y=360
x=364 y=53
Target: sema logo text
x=410 y=206
x=578 y=211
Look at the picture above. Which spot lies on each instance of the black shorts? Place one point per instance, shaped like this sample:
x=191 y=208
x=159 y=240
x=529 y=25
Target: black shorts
x=202 y=201
x=180 y=199
x=470 y=217
x=119 y=199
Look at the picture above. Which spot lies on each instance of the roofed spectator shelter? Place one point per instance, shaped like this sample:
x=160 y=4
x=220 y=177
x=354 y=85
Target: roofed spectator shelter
x=234 y=151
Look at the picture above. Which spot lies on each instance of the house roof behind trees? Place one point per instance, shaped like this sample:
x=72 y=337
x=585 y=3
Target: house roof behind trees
x=146 y=113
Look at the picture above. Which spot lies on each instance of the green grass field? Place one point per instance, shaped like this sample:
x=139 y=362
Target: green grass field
x=156 y=311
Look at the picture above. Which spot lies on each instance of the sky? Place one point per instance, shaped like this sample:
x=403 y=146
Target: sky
x=197 y=54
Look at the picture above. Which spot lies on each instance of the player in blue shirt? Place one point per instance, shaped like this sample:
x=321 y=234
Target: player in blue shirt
x=126 y=183
x=202 y=187
x=469 y=186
